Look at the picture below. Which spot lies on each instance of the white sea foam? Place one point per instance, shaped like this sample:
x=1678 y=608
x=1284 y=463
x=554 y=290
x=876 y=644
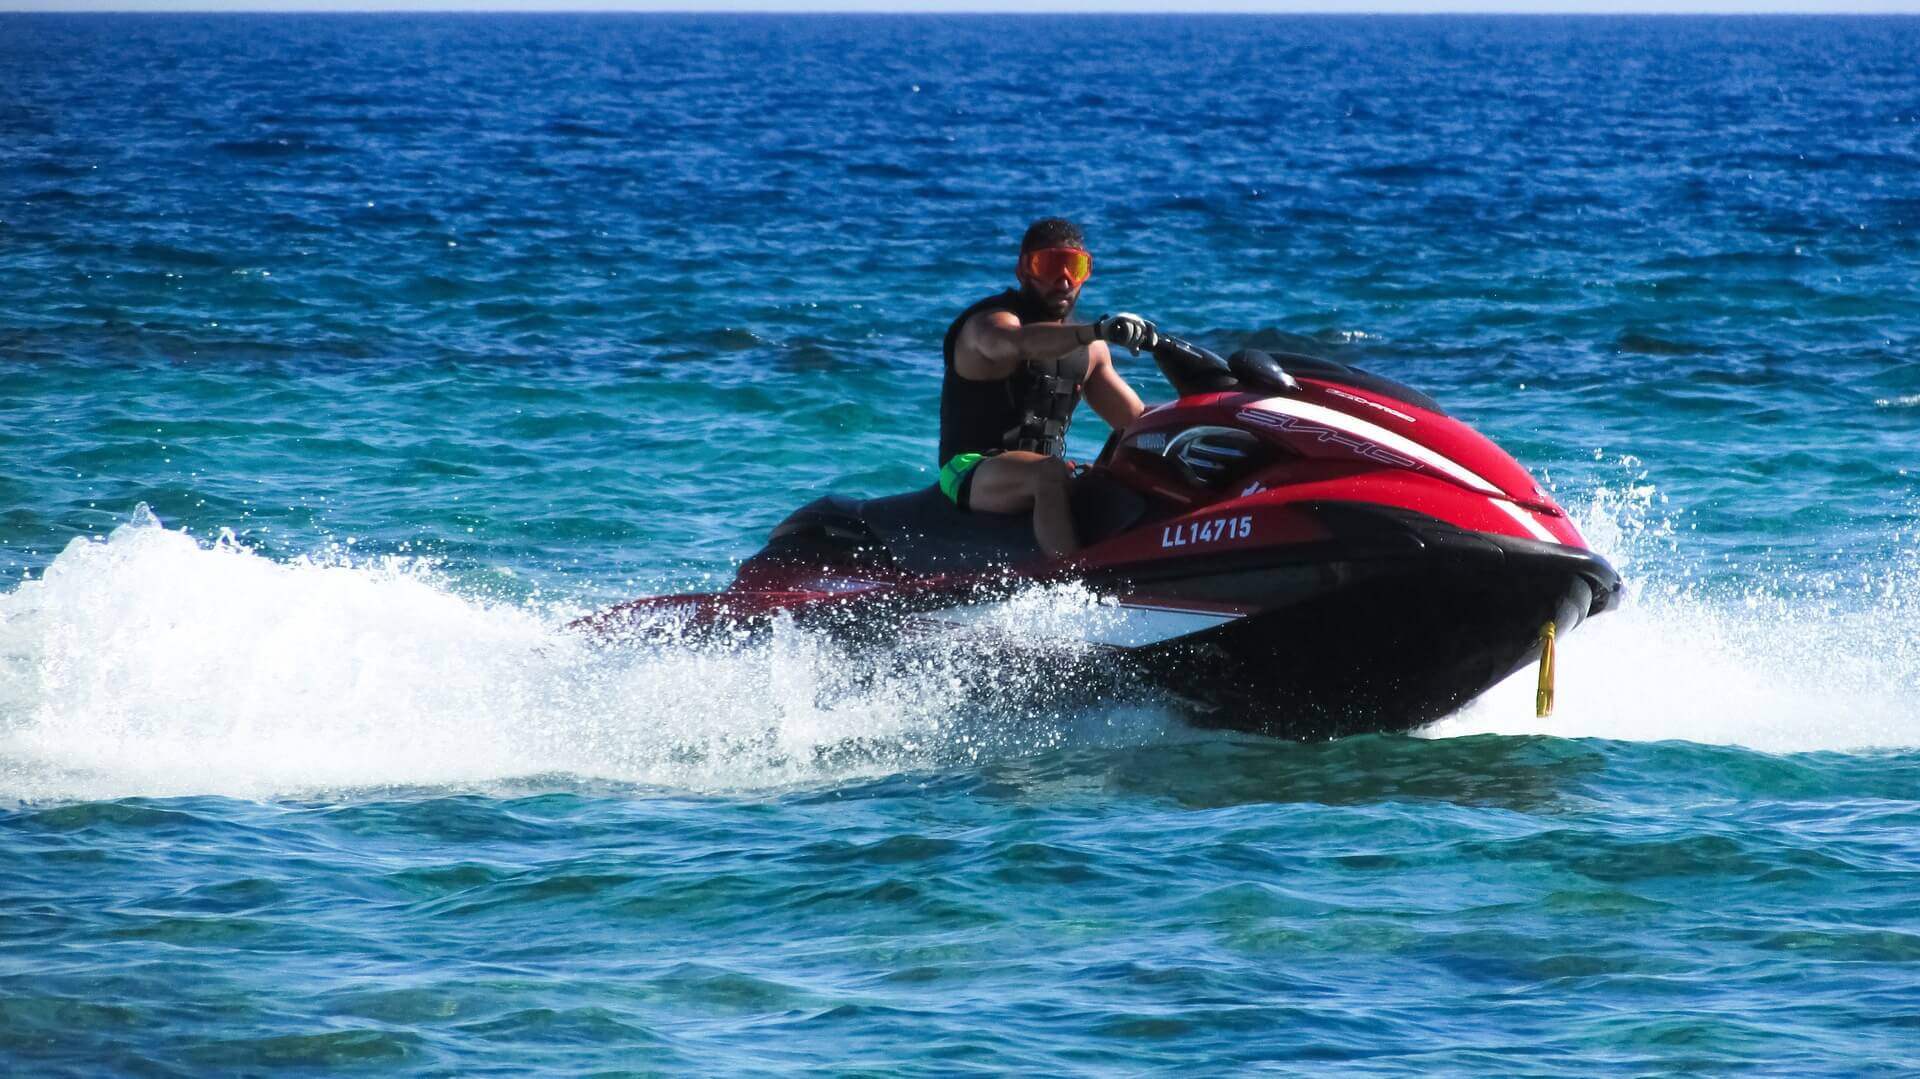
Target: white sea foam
x=153 y=663
x=150 y=663
x=1809 y=660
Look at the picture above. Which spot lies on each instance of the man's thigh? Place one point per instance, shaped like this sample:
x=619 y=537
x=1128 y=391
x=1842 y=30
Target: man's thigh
x=1005 y=483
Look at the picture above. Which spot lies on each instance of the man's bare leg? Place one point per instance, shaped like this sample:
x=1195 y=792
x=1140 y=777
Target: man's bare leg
x=1018 y=480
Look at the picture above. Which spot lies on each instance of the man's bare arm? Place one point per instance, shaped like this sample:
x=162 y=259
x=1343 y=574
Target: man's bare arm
x=1108 y=393
x=993 y=344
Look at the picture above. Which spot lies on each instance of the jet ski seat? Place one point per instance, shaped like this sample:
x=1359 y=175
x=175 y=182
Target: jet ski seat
x=923 y=532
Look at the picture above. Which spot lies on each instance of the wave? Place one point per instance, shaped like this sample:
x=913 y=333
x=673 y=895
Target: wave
x=277 y=147
x=1804 y=658
x=152 y=662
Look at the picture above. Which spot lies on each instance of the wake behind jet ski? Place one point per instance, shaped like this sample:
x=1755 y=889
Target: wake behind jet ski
x=1293 y=547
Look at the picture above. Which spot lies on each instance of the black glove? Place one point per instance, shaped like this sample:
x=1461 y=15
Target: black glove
x=1129 y=331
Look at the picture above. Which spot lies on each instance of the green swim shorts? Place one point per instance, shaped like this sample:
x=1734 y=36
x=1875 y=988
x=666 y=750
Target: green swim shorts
x=956 y=474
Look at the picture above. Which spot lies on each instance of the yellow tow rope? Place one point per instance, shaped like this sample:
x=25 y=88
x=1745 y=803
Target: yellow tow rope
x=1543 y=697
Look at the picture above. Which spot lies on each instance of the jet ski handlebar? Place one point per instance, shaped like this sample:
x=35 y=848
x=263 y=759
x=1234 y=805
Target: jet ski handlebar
x=1191 y=369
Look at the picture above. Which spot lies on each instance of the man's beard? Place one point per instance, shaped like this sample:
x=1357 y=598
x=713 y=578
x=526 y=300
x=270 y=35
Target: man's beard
x=1034 y=301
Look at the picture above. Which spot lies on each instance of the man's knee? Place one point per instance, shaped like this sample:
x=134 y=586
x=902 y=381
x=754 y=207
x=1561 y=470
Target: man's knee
x=1050 y=476
x=1015 y=481
x=1035 y=475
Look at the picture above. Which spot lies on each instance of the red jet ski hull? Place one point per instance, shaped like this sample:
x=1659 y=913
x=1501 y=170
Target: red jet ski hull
x=1306 y=558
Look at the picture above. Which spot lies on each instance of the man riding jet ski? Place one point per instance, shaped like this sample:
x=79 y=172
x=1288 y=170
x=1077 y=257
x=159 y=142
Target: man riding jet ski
x=1014 y=370
x=1292 y=547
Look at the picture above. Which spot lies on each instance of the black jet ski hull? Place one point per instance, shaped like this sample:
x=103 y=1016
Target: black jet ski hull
x=1390 y=652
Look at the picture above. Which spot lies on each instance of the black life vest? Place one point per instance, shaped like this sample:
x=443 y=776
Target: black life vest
x=1028 y=410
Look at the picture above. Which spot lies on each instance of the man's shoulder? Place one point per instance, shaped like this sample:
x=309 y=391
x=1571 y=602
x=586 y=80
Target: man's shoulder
x=1001 y=308
x=1005 y=316
x=1005 y=300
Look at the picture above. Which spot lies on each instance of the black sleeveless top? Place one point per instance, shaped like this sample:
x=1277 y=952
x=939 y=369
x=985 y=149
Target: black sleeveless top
x=979 y=417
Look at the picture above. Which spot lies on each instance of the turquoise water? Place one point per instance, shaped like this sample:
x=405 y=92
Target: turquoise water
x=420 y=336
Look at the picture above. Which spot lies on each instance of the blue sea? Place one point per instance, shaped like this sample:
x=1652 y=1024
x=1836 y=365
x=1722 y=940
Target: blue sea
x=345 y=359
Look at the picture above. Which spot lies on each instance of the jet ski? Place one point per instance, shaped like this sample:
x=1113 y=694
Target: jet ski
x=1293 y=547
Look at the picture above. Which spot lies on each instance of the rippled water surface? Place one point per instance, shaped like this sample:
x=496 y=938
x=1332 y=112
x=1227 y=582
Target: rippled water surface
x=421 y=336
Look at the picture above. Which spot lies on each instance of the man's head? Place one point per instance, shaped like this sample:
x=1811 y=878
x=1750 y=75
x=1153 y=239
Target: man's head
x=1054 y=263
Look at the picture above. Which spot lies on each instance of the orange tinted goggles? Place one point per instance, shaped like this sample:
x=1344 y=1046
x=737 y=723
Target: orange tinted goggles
x=1050 y=262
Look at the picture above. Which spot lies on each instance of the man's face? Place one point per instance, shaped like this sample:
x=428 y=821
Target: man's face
x=1049 y=283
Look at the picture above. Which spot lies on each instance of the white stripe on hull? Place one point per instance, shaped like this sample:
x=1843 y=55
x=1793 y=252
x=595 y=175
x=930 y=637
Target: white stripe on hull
x=1373 y=432
x=1115 y=625
x=1520 y=514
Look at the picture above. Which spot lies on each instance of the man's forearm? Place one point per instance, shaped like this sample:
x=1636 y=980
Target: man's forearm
x=1003 y=350
x=1050 y=340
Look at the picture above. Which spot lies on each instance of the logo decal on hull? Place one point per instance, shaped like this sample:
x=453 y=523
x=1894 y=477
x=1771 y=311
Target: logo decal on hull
x=1369 y=440
x=1357 y=399
x=1294 y=425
